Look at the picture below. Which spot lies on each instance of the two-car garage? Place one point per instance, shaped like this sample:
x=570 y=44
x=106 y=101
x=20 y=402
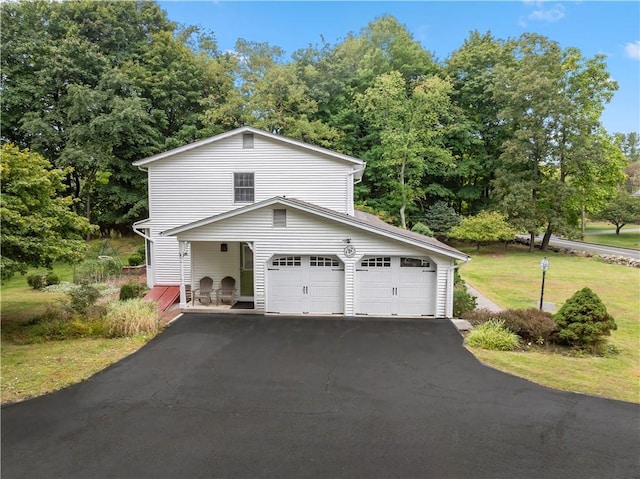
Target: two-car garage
x=384 y=285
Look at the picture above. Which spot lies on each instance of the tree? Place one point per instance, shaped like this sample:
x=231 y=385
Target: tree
x=552 y=101
x=407 y=119
x=583 y=319
x=38 y=226
x=620 y=211
x=440 y=218
x=484 y=227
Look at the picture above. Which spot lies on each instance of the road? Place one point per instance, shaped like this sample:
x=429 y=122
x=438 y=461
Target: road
x=593 y=248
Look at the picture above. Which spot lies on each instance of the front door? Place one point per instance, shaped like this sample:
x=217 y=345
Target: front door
x=246 y=271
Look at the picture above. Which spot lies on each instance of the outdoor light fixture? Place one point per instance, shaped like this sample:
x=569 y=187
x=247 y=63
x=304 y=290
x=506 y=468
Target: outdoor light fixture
x=544 y=266
x=183 y=248
x=223 y=247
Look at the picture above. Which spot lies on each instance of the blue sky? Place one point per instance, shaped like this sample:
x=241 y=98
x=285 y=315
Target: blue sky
x=611 y=28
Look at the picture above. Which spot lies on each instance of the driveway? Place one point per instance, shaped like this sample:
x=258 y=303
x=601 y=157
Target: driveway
x=589 y=247
x=249 y=396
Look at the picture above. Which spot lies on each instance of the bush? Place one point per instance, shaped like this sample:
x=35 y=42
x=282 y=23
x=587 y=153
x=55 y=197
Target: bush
x=422 y=229
x=98 y=270
x=131 y=317
x=493 y=335
x=583 y=320
x=41 y=280
x=135 y=259
x=530 y=324
x=463 y=301
x=53 y=325
x=131 y=291
x=81 y=298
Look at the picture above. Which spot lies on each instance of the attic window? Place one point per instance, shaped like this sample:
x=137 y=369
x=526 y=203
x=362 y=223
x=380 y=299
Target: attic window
x=247 y=140
x=279 y=218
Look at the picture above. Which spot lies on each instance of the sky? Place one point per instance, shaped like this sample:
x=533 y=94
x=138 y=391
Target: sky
x=609 y=28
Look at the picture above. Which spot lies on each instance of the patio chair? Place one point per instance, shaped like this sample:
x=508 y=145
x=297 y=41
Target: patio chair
x=227 y=290
x=203 y=293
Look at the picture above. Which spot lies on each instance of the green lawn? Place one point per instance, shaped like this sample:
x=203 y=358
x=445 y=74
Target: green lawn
x=629 y=236
x=512 y=279
x=35 y=369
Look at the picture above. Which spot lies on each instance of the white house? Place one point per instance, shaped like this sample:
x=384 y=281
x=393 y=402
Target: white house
x=277 y=215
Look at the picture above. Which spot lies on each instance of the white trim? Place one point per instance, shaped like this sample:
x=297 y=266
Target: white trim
x=248 y=129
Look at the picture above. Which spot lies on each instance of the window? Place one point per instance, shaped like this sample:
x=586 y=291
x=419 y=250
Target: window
x=323 y=261
x=286 y=261
x=247 y=140
x=384 y=262
x=243 y=187
x=414 y=263
x=279 y=218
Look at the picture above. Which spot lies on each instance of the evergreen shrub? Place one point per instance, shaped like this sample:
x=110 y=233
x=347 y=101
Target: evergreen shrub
x=583 y=320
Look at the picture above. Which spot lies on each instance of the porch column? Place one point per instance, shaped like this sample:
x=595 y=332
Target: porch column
x=183 y=290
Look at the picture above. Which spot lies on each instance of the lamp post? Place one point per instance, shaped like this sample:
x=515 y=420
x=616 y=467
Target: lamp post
x=544 y=266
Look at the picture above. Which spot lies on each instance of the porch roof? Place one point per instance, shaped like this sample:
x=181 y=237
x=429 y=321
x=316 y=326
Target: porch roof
x=361 y=220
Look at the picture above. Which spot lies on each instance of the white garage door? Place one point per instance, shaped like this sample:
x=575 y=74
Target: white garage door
x=390 y=285
x=305 y=284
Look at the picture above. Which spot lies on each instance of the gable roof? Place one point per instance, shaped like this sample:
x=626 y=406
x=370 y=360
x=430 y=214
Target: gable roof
x=361 y=220
x=248 y=129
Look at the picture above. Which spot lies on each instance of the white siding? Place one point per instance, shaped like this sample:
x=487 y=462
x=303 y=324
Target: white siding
x=307 y=234
x=199 y=183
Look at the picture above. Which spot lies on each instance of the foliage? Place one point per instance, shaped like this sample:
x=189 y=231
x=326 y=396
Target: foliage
x=621 y=210
x=530 y=324
x=583 y=319
x=38 y=227
x=98 y=270
x=135 y=259
x=440 y=218
x=81 y=298
x=422 y=229
x=132 y=317
x=492 y=334
x=132 y=290
x=463 y=301
x=42 y=280
x=484 y=227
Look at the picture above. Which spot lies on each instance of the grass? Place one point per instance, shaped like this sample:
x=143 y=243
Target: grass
x=629 y=236
x=512 y=279
x=35 y=369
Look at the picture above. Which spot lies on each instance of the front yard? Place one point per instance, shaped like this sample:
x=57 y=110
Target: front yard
x=512 y=278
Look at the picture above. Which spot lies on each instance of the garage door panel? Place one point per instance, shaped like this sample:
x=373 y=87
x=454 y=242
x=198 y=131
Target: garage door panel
x=395 y=285
x=315 y=285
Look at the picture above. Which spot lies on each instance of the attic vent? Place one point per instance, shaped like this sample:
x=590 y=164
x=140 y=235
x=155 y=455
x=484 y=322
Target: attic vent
x=279 y=218
x=247 y=140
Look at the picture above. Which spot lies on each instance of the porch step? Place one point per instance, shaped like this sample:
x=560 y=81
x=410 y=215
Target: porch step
x=164 y=295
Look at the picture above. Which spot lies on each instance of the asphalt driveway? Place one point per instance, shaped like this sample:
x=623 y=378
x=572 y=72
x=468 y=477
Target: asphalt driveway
x=248 y=396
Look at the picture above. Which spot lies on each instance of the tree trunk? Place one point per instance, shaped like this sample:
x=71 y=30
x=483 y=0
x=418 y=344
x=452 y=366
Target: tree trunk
x=546 y=238
x=532 y=240
x=619 y=227
x=583 y=221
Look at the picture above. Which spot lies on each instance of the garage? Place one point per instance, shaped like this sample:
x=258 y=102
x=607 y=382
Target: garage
x=305 y=284
x=393 y=285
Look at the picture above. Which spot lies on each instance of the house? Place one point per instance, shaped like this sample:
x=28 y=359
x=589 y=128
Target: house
x=277 y=215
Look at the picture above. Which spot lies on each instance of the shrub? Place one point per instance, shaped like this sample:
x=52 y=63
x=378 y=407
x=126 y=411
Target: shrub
x=583 y=320
x=98 y=270
x=131 y=317
x=530 y=324
x=463 y=301
x=422 y=229
x=41 y=280
x=52 y=279
x=135 y=259
x=53 y=325
x=131 y=291
x=493 y=335
x=81 y=298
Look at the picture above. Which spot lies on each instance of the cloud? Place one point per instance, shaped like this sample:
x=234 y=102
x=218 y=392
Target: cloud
x=542 y=12
x=633 y=50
